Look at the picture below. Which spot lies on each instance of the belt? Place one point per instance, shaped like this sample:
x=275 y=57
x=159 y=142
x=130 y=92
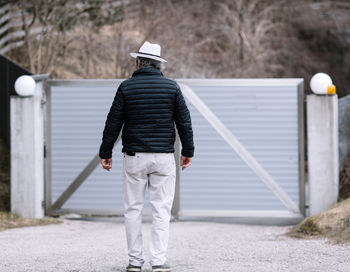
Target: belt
x=130 y=153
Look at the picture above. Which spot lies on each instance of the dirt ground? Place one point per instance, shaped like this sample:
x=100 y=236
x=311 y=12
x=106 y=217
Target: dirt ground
x=9 y=220
x=100 y=245
x=333 y=224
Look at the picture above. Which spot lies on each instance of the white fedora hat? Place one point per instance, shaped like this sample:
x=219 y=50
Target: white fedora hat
x=149 y=50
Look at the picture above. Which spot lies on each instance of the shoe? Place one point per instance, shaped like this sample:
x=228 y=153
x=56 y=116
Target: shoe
x=133 y=268
x=161 y=268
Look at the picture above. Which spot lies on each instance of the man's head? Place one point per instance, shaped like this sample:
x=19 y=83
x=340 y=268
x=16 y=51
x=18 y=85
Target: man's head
x=146 y=62
x=148 y=56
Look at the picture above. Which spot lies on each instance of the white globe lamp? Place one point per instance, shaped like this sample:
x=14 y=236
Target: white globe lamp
x=25 y=85
x=321 y=83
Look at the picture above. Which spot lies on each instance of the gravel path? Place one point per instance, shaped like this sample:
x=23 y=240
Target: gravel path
x=77 y=245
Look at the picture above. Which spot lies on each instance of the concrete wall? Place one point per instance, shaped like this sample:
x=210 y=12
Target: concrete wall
x=27 y=160
x=323 y=154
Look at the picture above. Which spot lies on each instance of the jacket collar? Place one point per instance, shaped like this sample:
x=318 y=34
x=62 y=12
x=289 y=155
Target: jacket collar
x=147 y=71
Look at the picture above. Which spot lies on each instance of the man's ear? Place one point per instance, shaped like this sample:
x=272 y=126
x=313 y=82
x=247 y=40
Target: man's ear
x=137 y=63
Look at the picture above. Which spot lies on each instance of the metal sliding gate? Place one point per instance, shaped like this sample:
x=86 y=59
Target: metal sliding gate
x=249 y=149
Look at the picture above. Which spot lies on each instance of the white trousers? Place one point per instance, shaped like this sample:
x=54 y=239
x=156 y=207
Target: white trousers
x=158 y=172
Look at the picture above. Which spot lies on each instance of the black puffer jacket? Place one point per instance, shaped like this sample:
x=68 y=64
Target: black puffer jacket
x=148 y=104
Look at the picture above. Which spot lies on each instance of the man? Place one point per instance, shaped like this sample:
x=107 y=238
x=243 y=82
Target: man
x=147 y=105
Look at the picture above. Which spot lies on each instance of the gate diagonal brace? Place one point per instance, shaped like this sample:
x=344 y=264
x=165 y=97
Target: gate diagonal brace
x=77 y=181
x=238 y=148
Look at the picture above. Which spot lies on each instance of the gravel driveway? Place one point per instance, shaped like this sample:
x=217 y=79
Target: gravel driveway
x=78 y=245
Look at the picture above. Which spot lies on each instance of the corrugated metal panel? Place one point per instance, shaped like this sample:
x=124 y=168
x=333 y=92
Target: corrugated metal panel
x=265 y=121
x=77 y=120
x=263 y=118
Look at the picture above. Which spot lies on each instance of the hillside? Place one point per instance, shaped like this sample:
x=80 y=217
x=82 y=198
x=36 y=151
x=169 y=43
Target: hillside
x=244 y=38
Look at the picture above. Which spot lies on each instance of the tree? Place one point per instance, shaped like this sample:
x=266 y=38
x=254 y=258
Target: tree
x=56 y=19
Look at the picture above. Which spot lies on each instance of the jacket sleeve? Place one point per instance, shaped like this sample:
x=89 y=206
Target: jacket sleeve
x=183 y=124
x=113 y=125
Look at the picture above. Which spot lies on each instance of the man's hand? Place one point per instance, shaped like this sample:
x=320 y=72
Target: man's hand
x=106 y=163
x=185 y=162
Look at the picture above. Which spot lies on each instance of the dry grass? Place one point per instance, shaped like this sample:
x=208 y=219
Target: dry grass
x=332 y=224
x=10 y=220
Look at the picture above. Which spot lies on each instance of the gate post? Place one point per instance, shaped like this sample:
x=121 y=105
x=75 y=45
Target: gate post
x=322 y=142
x=27 y=154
